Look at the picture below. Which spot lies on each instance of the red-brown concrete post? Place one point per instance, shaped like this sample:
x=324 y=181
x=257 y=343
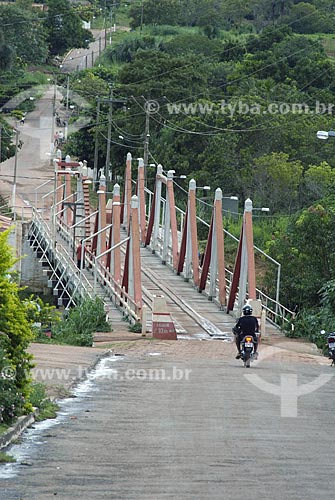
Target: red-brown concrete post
x=192 y=252
x=141 y=196
x=134 y=262
x=101 y=242
x=173 y=218
x=219 y=236
x=127 y=191
x=116 y=235
x=250 y=249
x=68 y=191
x=247 y=274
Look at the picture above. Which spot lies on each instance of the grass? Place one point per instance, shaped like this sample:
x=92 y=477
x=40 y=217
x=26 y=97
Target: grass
x=48 y=409
x=122 y=20
x=3 y=428
x=38 y=398
x=5 y=458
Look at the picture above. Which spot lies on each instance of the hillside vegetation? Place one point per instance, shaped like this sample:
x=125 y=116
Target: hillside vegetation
x=233 y=93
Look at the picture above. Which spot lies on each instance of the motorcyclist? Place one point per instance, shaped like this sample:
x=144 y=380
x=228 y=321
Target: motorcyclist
x=246 y=325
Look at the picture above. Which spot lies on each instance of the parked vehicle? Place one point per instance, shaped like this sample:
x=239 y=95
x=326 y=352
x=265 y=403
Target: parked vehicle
x=331 y=345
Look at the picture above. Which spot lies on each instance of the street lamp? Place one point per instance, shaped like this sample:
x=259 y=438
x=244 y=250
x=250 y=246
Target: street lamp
x=324 y=135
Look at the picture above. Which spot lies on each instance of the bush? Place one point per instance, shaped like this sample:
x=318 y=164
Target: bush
x=15 y=337
x=82 y=321
x=39 y=399
x=308 y=324
x=11 y=399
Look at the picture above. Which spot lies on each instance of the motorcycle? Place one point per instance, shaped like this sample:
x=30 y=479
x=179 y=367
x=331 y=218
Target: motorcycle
x=247 y=350
x=331 y=345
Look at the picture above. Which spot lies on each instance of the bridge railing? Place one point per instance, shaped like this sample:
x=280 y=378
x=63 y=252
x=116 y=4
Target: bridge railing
x=60 y=260
x=102 y=276
x=112 y=288
x=275 y=312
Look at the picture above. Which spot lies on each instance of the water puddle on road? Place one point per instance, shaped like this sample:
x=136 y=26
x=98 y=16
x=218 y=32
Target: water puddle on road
x=226 y=337
x=34 y=436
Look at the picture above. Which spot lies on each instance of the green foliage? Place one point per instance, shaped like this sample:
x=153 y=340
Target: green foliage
x=125 y=50
x=193 y=43
x=39 y=399
x=306 y=18
x=305 y=250
x=275 y=180
x=80 y=324
x=23 y=35
x=43 y=318
x=16 y=334
x=64 y=27
x=11 y=398
x=135 y=328
x=5 y=458
x=309 y=322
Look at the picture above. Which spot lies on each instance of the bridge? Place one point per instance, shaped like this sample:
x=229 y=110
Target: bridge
x=140 y=252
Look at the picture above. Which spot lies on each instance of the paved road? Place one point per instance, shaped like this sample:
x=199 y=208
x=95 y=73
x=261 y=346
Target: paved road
x=79 y=59
x=33 y=162
x=210 y=433
x=36 y=135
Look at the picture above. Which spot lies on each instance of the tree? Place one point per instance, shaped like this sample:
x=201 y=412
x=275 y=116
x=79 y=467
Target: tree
x=153 y=12
x=319 y=180
x=305 y=250
x=23 y=35
x=306 y=18
x=6 y=54
x=64 y=27
x=275 y=182
x=15 y=335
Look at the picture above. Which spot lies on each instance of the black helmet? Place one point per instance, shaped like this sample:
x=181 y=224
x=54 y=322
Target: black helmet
x=247 y=310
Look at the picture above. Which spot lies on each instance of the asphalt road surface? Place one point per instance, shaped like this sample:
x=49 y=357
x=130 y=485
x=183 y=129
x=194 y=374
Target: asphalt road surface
x=165 y=423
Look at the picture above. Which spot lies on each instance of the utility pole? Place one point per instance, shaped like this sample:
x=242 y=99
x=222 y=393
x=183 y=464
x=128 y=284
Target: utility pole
x=146 y=144
x=110 y=101
x=105 y=23
x=67 y=106
x=110 y=22
x=52 y=145
x=109 y=135
x=15 y=174
x=96 y=146
x=141 y=25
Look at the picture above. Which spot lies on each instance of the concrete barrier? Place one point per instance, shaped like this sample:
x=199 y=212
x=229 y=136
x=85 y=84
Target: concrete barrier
x=162 y=325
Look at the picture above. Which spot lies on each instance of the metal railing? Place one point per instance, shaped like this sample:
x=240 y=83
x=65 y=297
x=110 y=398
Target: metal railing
x=101 y=276
x=63 y=269
x=277 y=313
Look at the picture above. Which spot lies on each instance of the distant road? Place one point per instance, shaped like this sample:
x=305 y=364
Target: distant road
x=79 y=59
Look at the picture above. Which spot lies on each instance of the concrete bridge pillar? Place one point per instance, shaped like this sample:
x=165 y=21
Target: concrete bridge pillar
x=141 y=197
x=114 y=257
x=244 y=275
x=170 y=222
x=127 y=192
x=101 y=241
x=213 y=258
x=192 y=252
x=131 y=281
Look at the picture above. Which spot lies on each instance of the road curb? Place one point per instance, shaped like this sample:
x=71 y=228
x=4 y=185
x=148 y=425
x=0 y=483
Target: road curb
x=16 y=430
